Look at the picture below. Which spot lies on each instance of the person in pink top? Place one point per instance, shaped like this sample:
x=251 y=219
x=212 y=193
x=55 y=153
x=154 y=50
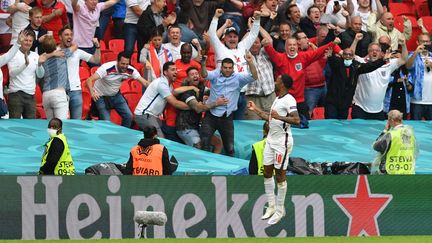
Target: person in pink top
x=85 y=19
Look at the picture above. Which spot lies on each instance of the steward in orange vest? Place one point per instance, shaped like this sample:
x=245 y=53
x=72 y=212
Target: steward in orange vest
x=149 y=157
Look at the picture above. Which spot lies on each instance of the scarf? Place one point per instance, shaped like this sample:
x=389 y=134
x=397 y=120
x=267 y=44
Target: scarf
x=154 y=59
x=417 y=74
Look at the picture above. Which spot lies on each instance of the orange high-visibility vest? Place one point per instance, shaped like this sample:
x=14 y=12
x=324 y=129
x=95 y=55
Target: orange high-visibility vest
x=147 y=161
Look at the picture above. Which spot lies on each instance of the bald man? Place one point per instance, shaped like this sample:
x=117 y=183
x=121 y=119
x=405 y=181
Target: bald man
x=397 y=147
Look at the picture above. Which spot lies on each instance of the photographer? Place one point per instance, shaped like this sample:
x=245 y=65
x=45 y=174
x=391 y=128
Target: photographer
x=419 y=65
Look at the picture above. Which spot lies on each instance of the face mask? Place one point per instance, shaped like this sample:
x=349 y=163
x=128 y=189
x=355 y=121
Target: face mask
x=347 y=63
x=52 y=132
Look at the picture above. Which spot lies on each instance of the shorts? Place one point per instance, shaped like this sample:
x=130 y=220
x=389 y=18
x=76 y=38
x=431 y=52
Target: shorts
x=277 y=155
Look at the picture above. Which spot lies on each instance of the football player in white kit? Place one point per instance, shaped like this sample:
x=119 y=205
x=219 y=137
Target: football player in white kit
x=278 y=146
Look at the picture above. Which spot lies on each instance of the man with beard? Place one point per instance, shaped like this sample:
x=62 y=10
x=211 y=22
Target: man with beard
x=73 y=63
x=154 y=99
x=182 y=65
x=233 y=49
x=225 y=82
x=188 y=121
x=104 y=86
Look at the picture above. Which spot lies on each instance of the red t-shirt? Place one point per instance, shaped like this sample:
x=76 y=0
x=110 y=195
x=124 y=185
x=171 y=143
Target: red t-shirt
x=170 y=111
x=57 y=23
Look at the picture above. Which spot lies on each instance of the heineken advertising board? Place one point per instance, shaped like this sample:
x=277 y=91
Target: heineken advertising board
x=93 y=207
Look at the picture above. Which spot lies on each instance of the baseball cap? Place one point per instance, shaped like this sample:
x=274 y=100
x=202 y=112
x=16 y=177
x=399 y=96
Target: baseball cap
x=230 y=29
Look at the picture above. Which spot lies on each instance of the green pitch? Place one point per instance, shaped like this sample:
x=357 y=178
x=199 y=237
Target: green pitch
x=389 y=239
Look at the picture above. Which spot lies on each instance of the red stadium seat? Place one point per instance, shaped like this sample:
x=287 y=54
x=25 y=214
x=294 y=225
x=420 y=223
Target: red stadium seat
x=411 y=43
x=5 y=72
x=108 y=57
x=422 y=8
x=427 y=22
x=93 y=70
x=116 y=45
x=84 y=73
x=115 y=117
x=86 y=103
x=318 y=113
x=402 y=9
x=40 y=112
x=102 y=45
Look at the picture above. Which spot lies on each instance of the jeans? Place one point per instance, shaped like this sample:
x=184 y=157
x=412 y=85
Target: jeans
x=419 y=111
x=315 y=96
x=130 y=33
x=21 y=104
x=189 y=136
x=333 y=112
x=224 y=125
x=104 y=19
x=241 y=107
x=171 y=133
x=75 y=104
x=119 y=104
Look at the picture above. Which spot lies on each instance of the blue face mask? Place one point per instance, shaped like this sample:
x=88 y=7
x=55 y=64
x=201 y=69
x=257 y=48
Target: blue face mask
x=347 y=63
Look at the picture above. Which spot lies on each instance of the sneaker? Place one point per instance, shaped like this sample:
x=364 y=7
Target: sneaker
x=269 y=212
x=277 y=216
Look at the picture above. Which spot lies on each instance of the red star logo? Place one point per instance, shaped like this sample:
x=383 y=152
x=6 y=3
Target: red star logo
x=363 y=208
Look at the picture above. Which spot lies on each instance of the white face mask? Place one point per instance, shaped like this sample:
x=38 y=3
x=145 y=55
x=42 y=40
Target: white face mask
x=52 y=132
x=347 y=63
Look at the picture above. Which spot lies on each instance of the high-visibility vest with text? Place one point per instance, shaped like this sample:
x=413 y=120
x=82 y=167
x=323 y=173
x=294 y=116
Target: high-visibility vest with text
x=65 y=165
x=147 y=161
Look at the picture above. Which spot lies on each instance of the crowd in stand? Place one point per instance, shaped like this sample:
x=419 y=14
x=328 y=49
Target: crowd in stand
x=349 y=58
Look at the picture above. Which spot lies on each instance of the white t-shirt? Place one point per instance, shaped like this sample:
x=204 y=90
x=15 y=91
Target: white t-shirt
x=153 y=100
x=73 y=63
x=281 y=131
x=371 y=87
x=175 y=50
x=131 y=17
x=111 y=80
x=20 y=21
x=26 y=79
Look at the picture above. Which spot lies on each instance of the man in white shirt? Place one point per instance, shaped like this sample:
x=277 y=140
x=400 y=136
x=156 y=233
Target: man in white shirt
x=106 y=89
x=23 y=70
x=19 y=17
x=156 y=96
x=371 y=88
x=175 y=43
x=278 y=146
x=73 y=62
x=235 y=50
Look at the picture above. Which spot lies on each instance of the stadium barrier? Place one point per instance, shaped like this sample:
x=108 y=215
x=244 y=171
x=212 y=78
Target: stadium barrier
x=93 y=207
